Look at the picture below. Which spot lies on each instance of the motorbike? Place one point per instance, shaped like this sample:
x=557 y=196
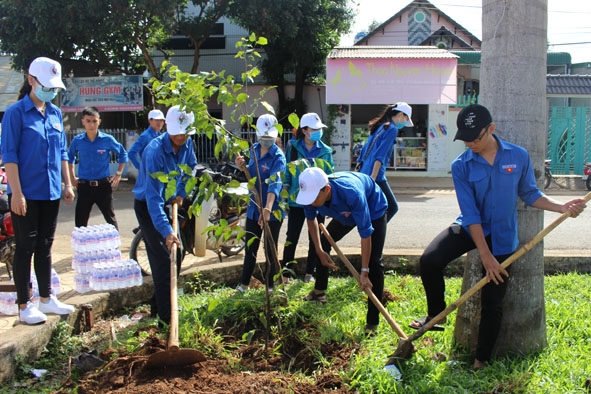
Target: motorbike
x=547 y=173
x=7 y=241
x=587 y=175
x=229 y=207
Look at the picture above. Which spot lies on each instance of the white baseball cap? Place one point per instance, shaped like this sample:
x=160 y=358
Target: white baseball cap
x=155 y=114
x=311 y=181
x=179 y=122
x=266 y=126
x=405 y=109
x=48 y=72
x=311 y=120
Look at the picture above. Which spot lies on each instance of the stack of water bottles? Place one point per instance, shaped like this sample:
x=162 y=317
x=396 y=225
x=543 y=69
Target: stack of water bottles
x=8 y=300
x=97 y=260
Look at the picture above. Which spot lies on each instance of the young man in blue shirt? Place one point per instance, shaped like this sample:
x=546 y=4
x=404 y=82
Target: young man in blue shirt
x=489 y=177
x=94 y=183
x=351 y=199
x=156 y=120
x=163 y=154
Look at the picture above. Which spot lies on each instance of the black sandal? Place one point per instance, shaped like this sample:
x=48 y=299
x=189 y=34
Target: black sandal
x=317 y=297
x=417 y=324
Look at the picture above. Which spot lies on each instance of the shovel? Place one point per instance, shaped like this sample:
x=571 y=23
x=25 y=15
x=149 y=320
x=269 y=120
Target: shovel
x=173 y=356
x=369 y=293
x=405 y=346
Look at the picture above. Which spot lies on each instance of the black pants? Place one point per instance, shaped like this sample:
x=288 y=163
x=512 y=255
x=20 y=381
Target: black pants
x=376 y=265
x=34 y=234
x=295 y=224
x=250 y=253
x=392 y=203
x=159 y=258
x=450 y=244
x=101 y=195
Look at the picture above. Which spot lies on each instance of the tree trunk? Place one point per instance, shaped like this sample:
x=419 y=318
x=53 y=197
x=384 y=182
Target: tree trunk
x=513 y=88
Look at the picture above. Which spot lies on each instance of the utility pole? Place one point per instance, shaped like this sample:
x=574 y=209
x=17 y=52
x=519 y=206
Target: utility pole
x=513 y=88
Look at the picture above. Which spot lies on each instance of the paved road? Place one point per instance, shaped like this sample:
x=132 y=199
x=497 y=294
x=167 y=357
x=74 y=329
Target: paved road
x=422 y=215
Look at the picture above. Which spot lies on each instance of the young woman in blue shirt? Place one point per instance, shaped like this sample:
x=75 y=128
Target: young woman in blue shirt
x=377 y=151
x=267 y=168
x=35 y=158
x=307 y=145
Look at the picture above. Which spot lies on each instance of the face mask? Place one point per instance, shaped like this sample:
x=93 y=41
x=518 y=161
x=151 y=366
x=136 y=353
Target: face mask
x=43 y=95
x=400 y=125
x=267 y=142
x=316 y=135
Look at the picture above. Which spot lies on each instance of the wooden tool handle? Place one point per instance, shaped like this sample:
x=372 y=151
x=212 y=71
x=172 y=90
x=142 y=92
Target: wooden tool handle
x=510 y=260
x=173 y=328
x=369 y=293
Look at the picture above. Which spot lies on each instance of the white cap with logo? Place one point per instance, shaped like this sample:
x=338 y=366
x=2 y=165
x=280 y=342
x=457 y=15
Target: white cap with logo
x=179 y=122
x=405 y=109
x=266 y=126
x=311 y=120
x=155 y=114
x=48 y=72
x=311 y=181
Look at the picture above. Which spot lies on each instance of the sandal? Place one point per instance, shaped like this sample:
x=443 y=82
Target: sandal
x=317 y=297
x=371 y=330
x=417 y=324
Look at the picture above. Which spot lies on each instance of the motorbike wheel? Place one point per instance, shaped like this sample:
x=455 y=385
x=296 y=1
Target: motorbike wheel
x=588 y=183
x=547 y=181
x=138 y=253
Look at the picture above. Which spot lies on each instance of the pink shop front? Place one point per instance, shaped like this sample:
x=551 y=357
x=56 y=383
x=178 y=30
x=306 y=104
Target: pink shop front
x=362 y=80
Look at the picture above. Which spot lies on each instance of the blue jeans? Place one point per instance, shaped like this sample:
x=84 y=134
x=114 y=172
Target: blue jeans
x=392 y=203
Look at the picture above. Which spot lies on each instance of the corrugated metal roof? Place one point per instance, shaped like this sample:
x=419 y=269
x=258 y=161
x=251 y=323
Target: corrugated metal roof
x=568 y=85
x=552 y=58
x=388 y=52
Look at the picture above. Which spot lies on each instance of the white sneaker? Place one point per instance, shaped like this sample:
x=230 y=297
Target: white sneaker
x=309 y=278
x=55 y=306
x=31 y=315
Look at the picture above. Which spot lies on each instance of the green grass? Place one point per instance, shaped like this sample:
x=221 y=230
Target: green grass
x=560 y=368
x=307 y=337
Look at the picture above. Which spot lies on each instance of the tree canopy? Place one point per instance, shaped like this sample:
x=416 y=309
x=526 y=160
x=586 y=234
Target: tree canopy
x=301 y=33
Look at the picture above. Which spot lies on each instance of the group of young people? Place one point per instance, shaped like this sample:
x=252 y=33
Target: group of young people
x=489 y=178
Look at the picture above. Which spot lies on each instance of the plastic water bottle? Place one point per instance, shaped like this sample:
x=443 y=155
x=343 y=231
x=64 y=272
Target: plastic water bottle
x=137 y=273
x=56 y=286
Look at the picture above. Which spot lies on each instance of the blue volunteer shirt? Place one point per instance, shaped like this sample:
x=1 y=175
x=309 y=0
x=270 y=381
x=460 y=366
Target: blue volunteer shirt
x=137 y=149
x=356 y=201
x=292 y=175
x=94 y=157
x=159 y=156
x=487 y=194
x=381 y=151
x=38 y=145
x=271 y=165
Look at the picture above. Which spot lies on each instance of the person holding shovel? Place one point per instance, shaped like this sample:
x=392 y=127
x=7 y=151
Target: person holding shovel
x=352 y=199
x=163 y=154
x=489 y=177
x=267 y=168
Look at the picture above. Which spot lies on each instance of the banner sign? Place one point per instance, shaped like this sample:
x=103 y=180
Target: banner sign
x=108 y=94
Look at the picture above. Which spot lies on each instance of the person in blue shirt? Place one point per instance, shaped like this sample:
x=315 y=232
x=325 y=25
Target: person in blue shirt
x=36 y=162
x=156 y=120
x=94 y=183
x=351 y=199
x=489 y=177
x=163 y=154
x=308 y=146
x=267 y=168
x=377 y=151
